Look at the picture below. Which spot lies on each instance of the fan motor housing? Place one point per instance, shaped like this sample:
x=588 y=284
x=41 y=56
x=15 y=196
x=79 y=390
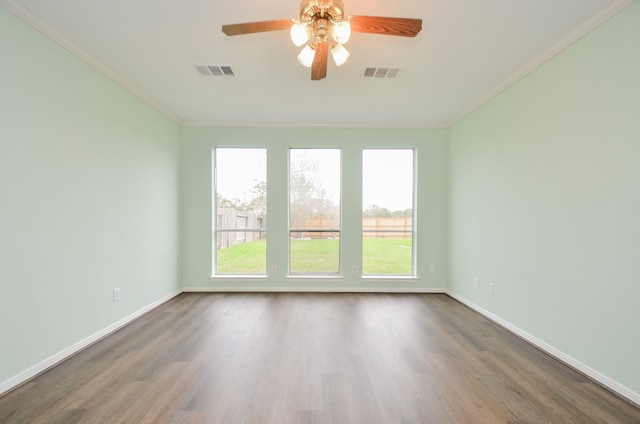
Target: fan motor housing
x=311 y=10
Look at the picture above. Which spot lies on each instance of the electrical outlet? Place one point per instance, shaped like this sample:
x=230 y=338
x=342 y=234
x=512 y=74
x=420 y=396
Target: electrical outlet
x=354 y=269
x=432 y=268
x=274 y=269
x=116 y=294
x=476 y=282
x=492 y=288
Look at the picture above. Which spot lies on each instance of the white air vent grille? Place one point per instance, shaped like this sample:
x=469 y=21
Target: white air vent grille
x=381 y=72
x=215 y=70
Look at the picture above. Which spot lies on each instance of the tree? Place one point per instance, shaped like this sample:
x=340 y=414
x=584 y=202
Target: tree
x=375 y=211
x=255 y=201
x=258 y=202
x=308 y=198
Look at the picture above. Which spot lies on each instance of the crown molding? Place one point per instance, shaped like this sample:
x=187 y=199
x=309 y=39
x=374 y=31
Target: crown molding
x=602 y=15
x=63 y=41
x=308 y=125
x=68 y=44
x=592 y=22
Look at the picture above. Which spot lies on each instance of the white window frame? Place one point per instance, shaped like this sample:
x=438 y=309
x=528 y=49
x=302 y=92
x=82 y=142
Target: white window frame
x=317 y=276
x=413 y=232
x=214 y=219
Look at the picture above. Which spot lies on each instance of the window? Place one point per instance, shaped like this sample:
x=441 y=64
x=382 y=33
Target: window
x=314 y=211
x=240 y=205
x=387 y=216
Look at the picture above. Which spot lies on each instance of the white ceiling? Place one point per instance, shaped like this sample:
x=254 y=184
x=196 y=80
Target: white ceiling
x=468 y=51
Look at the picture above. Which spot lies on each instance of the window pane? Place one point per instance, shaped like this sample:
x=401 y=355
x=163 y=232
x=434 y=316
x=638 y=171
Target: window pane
x=241 y=210
x=387 y=216
x=314 y=210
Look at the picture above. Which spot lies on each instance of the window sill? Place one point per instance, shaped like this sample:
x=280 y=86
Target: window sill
x=236 y=277
x=389 y=279
x=316 y=278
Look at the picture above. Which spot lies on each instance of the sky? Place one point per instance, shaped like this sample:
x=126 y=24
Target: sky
x=241 y=169
x=387 y=178
x=387 y=174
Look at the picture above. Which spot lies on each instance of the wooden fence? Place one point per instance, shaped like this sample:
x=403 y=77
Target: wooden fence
x=238 y=221
x=372 y=228
x=387 y=227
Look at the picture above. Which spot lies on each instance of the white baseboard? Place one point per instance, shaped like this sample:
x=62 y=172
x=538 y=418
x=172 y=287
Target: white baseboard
x=597 y=376
x=37 y=369
x=316 y=289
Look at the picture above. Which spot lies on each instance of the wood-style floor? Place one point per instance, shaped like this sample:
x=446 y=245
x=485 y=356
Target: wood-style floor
x=313 y=358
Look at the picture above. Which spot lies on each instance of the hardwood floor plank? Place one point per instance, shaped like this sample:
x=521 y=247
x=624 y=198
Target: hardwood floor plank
x=313 y=358
x=62 y=416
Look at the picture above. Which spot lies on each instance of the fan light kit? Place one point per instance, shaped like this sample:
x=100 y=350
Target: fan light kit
x=323 y=28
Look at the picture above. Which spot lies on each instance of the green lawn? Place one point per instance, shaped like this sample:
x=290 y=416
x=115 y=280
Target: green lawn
x=310 y=256
x=243 y=258
x=382 y=256
x=386 y=256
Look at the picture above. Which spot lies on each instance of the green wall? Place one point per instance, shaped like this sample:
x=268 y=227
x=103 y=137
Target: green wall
x=89 y=181
x=431 y=150
x=545 y=202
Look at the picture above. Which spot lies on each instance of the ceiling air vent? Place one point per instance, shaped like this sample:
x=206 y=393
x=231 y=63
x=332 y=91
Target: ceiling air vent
x=215 y=70
x=381 y=72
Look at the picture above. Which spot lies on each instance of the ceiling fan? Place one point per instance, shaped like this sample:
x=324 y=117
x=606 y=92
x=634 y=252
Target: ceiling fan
x=324 y=28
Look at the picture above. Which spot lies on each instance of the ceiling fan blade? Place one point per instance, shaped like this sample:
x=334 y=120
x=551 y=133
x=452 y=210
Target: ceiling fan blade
x=319 y=66
x=253 y=27
x=403 y=27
